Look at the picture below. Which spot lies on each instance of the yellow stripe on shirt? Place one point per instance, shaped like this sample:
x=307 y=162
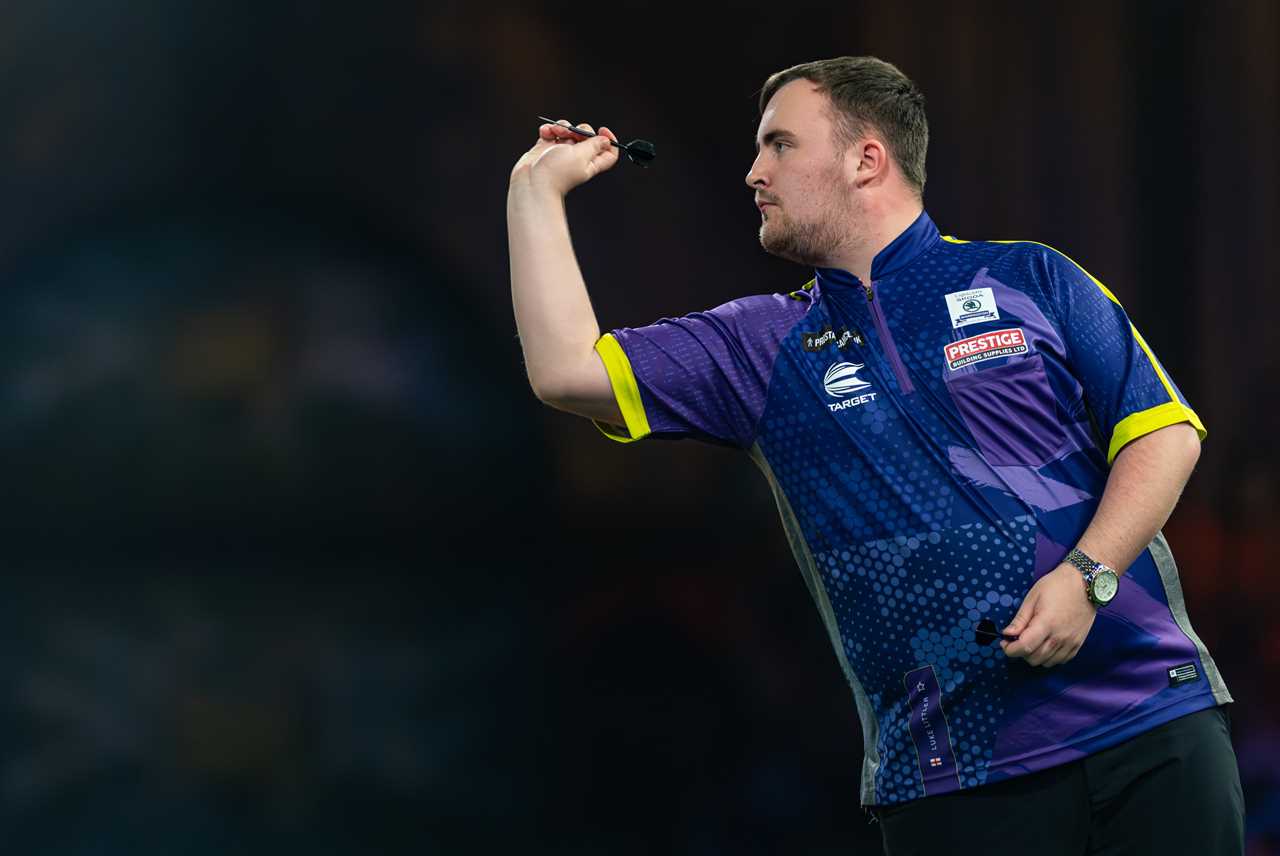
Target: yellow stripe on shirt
x=625 y=390
x=1144 y=422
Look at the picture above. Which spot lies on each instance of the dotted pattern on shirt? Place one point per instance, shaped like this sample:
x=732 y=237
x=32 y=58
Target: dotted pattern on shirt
x=900 y=600
x=916 y=619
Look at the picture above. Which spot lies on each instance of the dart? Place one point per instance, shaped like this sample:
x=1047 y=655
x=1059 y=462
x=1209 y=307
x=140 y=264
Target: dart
x=640 y=152
x=986 y=633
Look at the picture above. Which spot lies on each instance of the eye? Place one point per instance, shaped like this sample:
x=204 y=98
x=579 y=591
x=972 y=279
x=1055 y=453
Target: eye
x=777 y=145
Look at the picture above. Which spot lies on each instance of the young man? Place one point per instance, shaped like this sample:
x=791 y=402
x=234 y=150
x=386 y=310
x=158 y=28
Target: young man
x=964 y=439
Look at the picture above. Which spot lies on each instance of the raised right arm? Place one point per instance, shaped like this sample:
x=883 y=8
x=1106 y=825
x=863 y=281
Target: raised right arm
x=554 y=317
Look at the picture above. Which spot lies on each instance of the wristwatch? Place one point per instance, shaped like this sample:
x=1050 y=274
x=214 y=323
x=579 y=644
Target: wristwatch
x=1100 y=582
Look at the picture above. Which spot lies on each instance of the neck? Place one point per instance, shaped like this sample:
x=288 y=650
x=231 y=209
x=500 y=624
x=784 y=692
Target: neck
x=882 y=221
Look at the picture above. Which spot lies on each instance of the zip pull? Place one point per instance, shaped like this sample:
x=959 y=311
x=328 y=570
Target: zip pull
x=886 y=342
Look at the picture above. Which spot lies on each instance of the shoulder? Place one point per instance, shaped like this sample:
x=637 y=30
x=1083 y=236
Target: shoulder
x=773 y=312
x=1046 y=264
x=1016 y=250
x=1010 y=250
x=753 y=322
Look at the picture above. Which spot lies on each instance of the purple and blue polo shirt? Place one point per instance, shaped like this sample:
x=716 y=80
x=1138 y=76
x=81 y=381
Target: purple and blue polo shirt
x=936 y=440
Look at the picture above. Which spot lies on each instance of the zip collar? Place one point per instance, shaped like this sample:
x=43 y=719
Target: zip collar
x=914 y=241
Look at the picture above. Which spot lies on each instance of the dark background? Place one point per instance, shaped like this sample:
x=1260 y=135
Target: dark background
x=294 y=561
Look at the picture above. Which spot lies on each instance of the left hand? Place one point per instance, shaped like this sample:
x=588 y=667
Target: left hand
x=1053 y=621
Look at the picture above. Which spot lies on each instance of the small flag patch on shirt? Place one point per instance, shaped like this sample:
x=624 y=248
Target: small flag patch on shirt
x=1183 y=674
x=927 y=725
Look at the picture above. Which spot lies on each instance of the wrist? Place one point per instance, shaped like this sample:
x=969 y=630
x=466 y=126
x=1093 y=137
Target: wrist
x=533 y=203
x=528 y=179
x=1101 y=582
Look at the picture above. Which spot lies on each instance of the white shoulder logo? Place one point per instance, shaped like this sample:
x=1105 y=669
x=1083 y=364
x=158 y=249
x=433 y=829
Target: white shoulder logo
x=842 y=379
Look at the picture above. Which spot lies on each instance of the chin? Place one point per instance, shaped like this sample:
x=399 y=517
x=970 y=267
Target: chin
x=784 y=247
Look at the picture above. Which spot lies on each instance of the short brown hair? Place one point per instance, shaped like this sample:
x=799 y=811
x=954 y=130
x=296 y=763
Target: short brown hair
x=865 y=93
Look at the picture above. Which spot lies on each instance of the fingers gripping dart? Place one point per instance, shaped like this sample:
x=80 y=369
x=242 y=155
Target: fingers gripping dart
x=640 y=152
x=985 y=633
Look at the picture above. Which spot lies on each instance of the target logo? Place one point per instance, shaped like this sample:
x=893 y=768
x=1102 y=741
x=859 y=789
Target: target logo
x=842 y=379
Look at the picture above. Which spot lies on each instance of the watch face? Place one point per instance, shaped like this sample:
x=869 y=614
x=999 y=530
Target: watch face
x=1105 y=585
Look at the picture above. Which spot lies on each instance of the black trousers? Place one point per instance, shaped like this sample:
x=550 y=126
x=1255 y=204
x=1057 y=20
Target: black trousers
x=1175 y=789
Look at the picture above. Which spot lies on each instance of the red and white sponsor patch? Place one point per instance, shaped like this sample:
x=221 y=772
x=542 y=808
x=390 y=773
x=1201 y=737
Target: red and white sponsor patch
x=988 y=346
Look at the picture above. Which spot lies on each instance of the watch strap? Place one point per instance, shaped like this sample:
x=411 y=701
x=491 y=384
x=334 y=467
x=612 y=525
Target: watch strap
x=1082 y=561
x=1091 y=569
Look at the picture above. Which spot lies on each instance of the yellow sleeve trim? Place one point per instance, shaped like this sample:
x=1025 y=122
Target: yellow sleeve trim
x=1143 y=422
x=625 y=390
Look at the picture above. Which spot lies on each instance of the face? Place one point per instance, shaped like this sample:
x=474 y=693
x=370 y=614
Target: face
x=801 y=172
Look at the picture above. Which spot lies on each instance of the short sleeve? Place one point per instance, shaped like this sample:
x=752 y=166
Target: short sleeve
x=1125 y=387
x=704 y=375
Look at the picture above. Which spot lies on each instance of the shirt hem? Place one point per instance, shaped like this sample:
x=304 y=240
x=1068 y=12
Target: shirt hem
x=1098 y=743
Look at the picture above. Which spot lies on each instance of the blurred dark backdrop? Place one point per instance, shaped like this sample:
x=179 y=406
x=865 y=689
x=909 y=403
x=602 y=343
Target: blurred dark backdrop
x=294 y=559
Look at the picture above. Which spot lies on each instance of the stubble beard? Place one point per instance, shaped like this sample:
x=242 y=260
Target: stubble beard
x=812 y=244
x=809 y=244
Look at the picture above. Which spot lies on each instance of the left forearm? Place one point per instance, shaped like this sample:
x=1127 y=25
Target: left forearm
x=1145 y=482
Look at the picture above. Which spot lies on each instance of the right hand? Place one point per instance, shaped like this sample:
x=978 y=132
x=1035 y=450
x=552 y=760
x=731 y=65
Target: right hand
x=563 y=159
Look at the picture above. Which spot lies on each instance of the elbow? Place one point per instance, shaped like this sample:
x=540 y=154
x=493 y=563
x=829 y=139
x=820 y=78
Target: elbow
x=541 y=390
x=551 y=391
x=564 y=381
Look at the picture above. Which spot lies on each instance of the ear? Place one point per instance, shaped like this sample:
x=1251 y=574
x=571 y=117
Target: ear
x=867 y=163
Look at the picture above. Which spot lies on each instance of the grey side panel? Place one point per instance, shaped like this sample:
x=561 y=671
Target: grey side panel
x=812 y=579
x=1173 y=591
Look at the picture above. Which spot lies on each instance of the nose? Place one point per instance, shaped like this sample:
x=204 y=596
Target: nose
x=755 y=177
